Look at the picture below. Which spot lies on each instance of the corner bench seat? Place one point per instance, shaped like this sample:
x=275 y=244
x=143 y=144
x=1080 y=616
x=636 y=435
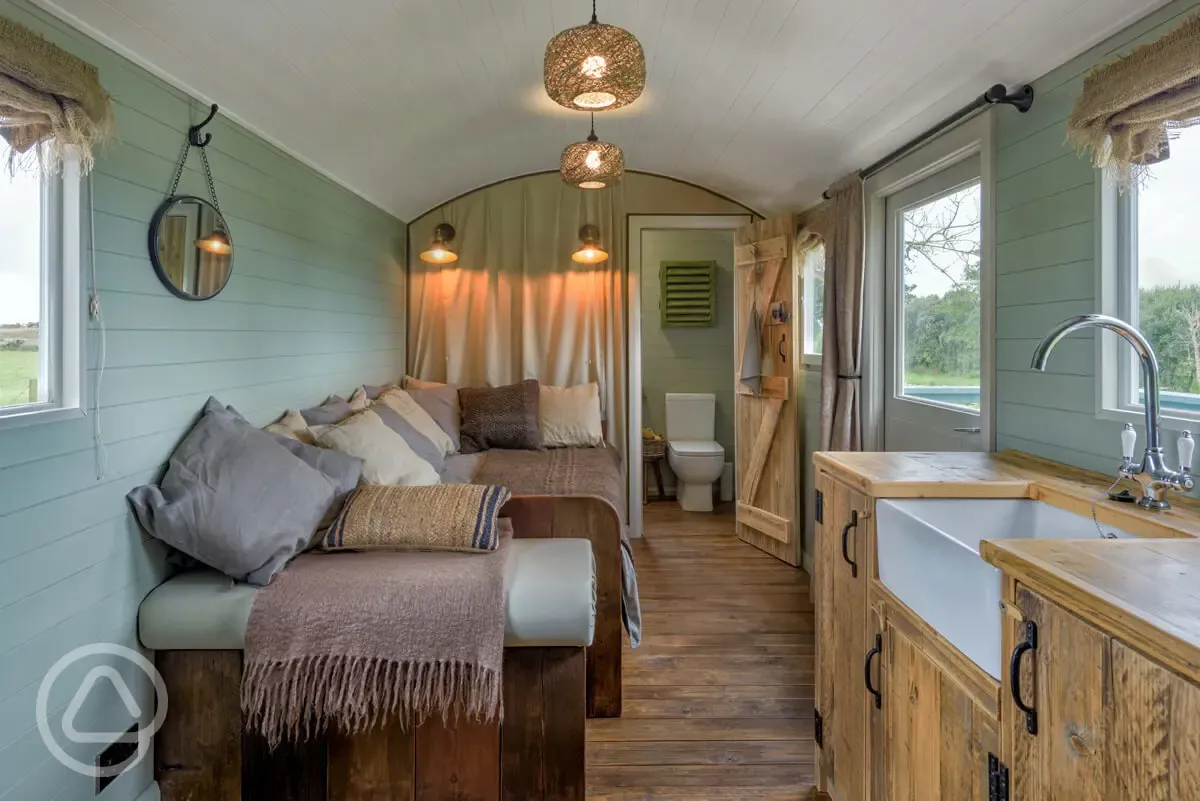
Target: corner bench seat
x=550 y=601
x=197 y=624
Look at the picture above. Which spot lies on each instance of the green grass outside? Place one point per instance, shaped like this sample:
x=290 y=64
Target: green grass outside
x=914 y=378
x=17 y=369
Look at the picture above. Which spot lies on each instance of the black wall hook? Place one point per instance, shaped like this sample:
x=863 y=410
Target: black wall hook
x=1021 y=100
x=194 y=131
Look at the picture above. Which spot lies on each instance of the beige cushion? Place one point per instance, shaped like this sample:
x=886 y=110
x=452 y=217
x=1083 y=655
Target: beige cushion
x=388 y=458
x=550 y=601
x=416 y=383
x=570 y=416
x=292 y=425
x=359 y=400
x=403 y=404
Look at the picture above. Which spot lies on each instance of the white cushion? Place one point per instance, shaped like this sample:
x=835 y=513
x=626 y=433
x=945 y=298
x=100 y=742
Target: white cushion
x=403 y=404
x=570 y=416
x=292 y=425
x=388 y=458
x=550 y=601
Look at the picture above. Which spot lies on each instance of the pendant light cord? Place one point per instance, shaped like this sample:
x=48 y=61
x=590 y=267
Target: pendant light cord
x=594 y=19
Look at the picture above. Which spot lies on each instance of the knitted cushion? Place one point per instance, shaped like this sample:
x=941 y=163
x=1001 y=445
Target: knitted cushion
x=449 y=517
x=500 y=417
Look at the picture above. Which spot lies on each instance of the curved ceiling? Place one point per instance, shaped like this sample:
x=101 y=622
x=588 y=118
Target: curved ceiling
x=411 y=102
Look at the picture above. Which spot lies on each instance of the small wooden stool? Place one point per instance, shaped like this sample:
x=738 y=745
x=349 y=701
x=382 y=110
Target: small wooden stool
x=654 y=451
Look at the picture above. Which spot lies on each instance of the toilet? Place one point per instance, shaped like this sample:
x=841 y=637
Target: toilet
x=692 y=452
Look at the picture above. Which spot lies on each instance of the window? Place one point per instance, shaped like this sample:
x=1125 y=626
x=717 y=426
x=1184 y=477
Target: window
x=40 y=300
x=939 y=314
x=813 y=320
x=1159 y=278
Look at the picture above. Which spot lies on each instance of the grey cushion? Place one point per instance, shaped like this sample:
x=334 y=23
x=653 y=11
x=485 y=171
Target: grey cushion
x=334 y=410
x=460 y=467
x=551 y=601
x=441 y=403
x=234 y=498
x=422 y=446
x=500 y=417
x=374 y=392
x=343 y=470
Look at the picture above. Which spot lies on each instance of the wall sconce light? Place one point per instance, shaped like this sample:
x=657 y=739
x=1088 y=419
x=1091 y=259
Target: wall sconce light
x=439 y=251
x=590 y=251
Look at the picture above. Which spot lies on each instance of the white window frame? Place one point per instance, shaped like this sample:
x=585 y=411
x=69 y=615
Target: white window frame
x=1117 y=366
x=808 y=312
x=62 y=368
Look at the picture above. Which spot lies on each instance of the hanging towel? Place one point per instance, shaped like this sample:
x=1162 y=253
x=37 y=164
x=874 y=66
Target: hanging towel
x=750 y=377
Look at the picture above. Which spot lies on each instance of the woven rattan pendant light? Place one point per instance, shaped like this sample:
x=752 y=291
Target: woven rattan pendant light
x=592 y=164
x=594 y=67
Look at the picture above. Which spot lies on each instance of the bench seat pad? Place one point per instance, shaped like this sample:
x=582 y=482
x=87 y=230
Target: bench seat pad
x=551 y=601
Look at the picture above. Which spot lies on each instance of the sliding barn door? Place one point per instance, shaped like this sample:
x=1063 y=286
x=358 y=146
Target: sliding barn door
x=766 y=416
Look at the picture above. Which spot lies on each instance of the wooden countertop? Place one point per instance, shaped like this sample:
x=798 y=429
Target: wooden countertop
x=1009 y=474
x=1145 y=592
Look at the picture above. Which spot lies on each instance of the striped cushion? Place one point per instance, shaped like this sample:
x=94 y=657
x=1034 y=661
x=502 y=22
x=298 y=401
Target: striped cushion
x=419 y=423
x=448 y=517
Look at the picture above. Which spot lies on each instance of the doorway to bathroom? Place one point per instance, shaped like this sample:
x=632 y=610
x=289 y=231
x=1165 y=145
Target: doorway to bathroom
x=680 y=334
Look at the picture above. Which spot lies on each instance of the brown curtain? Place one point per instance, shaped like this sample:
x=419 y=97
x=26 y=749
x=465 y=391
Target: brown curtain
x=515 y=305
x=841 y=361
x=1129 y=108
x=50 y=101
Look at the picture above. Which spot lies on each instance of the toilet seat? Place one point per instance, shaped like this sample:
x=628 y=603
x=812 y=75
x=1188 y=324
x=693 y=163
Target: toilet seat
x=696 y=448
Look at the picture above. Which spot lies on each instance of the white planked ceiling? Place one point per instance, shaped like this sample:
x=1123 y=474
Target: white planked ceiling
x=411 y=102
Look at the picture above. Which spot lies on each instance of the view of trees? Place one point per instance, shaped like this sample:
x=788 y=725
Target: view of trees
x=941 y=291
x=1169 y=316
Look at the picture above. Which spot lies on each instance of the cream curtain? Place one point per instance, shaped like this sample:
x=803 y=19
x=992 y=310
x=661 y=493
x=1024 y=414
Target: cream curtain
x=515 y=305
x=50 y=101
x=1128 y=109
x=841 y=362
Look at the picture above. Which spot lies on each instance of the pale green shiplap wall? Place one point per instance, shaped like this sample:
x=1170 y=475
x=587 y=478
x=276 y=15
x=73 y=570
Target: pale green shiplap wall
x=315 y=306
x=1046 y=262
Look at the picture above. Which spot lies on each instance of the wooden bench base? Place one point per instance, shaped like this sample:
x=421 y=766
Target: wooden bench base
x=548 y=516
x=202 y=753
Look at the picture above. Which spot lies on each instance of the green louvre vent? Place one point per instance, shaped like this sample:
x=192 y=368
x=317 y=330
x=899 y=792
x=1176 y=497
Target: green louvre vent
x=689 y=293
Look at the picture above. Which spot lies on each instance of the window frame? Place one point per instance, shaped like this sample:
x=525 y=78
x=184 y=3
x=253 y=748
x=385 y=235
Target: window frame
x=1117 y=366
x=62 y=370
x=808 y=310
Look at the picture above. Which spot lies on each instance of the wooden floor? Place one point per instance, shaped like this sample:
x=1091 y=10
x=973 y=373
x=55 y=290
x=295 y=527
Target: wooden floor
x=719 y=697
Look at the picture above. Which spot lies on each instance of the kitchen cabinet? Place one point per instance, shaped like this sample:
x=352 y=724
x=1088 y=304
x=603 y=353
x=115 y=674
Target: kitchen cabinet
x=1090 y=718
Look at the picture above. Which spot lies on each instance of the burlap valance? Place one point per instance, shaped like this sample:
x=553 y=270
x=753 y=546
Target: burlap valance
x=1129 y=108
x=49 y=101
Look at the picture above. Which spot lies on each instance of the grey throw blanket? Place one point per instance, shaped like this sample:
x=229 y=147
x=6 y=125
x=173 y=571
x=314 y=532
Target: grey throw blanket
x=592 y=472
x=350 y=640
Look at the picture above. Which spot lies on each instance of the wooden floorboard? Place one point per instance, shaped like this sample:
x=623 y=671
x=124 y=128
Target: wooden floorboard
x=718 y=700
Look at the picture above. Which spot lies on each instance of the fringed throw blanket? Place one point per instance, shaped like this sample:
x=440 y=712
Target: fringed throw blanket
x=349 y=640
x=592 y=472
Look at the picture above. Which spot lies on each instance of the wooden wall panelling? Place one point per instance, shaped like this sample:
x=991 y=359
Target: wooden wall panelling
x=377 y=765
x=543 y=742
x=203 y=758
x=766 y=456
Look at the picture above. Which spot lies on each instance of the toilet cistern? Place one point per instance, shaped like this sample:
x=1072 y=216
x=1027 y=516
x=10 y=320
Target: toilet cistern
x=1152 y=472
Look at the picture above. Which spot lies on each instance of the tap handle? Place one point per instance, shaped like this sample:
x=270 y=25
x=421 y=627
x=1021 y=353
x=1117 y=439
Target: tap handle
x=1128 y=442
x=1187 y=446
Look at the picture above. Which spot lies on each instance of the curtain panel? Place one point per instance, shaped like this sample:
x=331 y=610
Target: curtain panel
x=50 y=102
x=514 y=305
x=841 y=363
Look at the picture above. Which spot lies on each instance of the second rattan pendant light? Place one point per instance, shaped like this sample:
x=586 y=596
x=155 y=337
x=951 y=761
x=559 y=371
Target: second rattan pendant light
x=594 y=67
x=592 y=164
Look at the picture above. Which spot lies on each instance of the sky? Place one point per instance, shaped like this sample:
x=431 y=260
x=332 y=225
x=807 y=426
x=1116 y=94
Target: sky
x=1169 y=217
x=925 y=278
x=20 y=244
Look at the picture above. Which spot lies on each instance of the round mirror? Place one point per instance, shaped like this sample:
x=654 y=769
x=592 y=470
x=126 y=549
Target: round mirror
x=191 y=248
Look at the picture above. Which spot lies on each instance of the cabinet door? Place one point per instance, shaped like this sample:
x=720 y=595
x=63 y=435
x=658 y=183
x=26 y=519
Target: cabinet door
x=844 y=638
x=1111 y=724
x=936 y=737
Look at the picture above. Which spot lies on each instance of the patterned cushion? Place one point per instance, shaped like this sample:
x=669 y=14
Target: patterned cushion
x=500 y=417
x=457 y=517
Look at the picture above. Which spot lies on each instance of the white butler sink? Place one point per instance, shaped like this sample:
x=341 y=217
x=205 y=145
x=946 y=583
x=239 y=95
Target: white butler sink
x=929 y=559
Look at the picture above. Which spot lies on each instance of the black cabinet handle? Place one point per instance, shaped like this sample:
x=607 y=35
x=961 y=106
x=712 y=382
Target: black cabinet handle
x=853 y=524
x=874 y=652
x=1014 y=676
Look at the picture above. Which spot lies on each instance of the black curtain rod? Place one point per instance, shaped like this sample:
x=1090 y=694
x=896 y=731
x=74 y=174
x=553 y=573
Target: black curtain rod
x=1021 y=100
